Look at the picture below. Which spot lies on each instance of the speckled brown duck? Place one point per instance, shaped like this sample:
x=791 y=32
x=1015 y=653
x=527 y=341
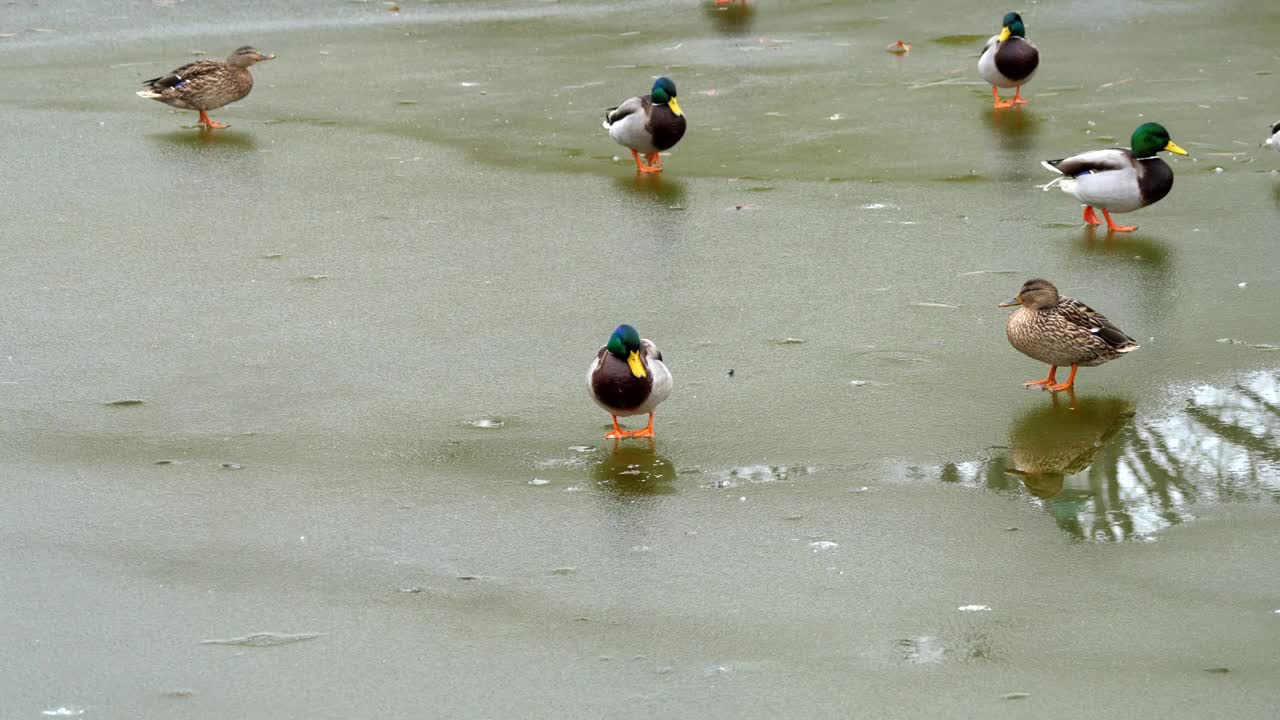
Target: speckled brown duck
x=1061 y=331
x=206 y=85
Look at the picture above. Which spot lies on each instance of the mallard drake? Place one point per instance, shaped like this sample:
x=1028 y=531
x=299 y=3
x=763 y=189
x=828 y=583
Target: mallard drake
x=628 y=378
x=1009 y=60
x=1274 y=140
x=206 y=85
x=648 y=125
x=1061 y=331
x=1118 y=179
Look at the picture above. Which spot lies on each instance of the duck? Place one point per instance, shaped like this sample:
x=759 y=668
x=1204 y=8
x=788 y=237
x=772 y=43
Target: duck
x=206 y=85
x=1009 y=60
x=1274 y=140
x=648 y=125
x=1061 y=331
x=1118 y=179
x=628 y=378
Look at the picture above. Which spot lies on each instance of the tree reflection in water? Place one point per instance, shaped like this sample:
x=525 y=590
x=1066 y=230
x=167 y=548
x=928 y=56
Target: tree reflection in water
x=1106 y=475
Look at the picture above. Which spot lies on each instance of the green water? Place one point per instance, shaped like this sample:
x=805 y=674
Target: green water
x=416 y=225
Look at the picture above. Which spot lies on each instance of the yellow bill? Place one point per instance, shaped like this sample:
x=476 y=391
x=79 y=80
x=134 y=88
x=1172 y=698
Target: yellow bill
x=637 y=367
x=1004 y=34
x=1173 y=148
x=675 y=106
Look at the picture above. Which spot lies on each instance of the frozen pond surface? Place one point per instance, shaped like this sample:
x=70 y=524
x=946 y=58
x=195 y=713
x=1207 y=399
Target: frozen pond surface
x=364 y=479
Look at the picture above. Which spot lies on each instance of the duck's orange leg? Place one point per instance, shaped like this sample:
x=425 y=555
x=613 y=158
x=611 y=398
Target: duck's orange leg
x=1053 y=371
x=655 y=161
x=1017 y=97
x=617 y=432
x=210 y=122
x=1113 y=227
x=1090 y=216
x=641 y=167
x=647 y=432
x=1000 y=104
x=1071 y=381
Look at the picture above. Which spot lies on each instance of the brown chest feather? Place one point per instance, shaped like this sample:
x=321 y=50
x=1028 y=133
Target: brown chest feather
x=615 y=386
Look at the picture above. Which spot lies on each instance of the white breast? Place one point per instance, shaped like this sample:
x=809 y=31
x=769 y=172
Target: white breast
x=1112 y=190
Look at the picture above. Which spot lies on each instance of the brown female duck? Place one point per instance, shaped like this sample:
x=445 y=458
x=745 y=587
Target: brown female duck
x=206 y=85
x=1061 y=331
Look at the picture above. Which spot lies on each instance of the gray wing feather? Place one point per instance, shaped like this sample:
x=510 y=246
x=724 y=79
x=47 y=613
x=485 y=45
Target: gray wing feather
x=1092 y=161
x=632 y=105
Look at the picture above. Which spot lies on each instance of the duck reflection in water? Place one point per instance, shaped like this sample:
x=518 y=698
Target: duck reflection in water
x=731 y=17
x=666 y=193
x=1050 y=443
x=1106 y=475
x=633 y=470
x=206 y=138
x=1014 y=134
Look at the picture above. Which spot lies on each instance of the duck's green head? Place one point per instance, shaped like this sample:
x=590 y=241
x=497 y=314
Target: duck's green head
x=664 y=93
x=624 y=344
x=1011 y=26
x=1151 y=138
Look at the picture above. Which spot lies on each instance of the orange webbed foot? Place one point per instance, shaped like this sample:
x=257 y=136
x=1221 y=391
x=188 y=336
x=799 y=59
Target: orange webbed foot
x=1071 y=381
x=210 y=122
x=647 y=432
x=642 y=167
x=1053 y=372
x=1090 y=216
x=1113 y=227
x=617 y=433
